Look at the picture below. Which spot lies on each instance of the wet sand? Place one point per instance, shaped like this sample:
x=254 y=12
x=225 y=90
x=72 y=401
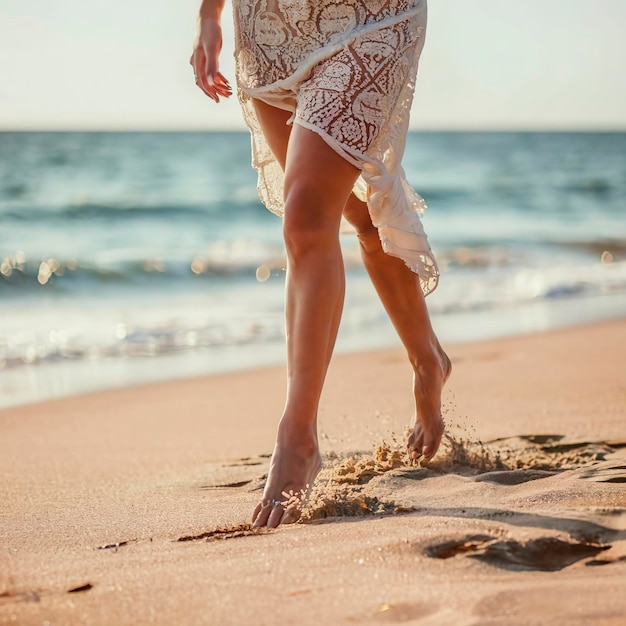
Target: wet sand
x=131 y=506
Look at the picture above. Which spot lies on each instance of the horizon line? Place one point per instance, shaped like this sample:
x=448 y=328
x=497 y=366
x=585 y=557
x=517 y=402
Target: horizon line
x=430 y=129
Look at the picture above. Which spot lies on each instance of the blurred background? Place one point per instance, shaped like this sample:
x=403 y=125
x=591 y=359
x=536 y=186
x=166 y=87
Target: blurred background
x=133 y=246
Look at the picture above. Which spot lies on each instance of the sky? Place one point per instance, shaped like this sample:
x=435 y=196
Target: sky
x=487 y=64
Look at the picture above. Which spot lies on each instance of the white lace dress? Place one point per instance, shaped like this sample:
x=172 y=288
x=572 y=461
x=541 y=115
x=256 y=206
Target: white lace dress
x=346 y=69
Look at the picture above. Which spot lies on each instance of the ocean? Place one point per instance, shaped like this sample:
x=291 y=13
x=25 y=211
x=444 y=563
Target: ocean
x=137 y=257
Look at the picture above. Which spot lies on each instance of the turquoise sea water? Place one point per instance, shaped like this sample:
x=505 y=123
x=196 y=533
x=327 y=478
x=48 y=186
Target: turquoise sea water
x=127 y=257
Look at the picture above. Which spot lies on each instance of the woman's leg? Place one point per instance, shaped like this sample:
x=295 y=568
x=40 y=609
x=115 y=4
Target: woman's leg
x=317 y=184
x=400 y=292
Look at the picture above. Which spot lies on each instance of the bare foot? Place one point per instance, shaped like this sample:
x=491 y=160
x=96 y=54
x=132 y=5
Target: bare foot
x=428 y=382
x=293 y=468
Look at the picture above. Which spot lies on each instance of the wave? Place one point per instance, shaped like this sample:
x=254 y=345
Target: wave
x=615 y=247
x=196 y=320
x=121 y=211
x=226 y=260
x=592 y=186
x=72 y=274
x=506 y=287
x=254 y=260
x=63 y=344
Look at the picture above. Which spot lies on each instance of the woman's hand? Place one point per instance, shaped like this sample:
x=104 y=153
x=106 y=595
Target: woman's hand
x=205 y=60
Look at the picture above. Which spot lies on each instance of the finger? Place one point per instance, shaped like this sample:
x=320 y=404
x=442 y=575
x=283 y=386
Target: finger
x=207 y=90
x=221 y=79
x=213 y=90
x=202 y=82
x=198 y=61
x=222 y=91
x=215 y=80
x=221 y=86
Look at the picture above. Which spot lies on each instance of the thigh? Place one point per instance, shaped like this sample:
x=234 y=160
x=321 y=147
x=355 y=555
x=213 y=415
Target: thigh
x=318 y=181
x=275 y=129
x=314 y=172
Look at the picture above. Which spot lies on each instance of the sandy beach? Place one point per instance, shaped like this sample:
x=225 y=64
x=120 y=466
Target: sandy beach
x=131 y=506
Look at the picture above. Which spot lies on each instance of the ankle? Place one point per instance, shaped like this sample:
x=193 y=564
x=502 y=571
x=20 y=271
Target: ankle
x=297 y=436
x=427 y=358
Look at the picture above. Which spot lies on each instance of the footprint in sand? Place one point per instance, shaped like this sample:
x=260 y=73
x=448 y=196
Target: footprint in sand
x=548 y=554
x=237 y=473
x=542 y=439
x=14 y=596
x=550 y=452
x=232 y=485
x=513 y=477
x=448 y=549
x=606 y=473
x=231 y=532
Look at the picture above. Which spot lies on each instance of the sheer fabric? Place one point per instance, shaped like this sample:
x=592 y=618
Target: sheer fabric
x=345 y=69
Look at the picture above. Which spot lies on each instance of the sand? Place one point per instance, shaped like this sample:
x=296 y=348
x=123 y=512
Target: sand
x=131 y=506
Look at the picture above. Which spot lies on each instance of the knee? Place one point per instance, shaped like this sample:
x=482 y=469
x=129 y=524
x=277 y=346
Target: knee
x=310 y=224
x=357 y=215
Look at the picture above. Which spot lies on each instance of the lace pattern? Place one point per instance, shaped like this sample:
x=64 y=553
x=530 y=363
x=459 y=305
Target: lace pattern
x=346 y=70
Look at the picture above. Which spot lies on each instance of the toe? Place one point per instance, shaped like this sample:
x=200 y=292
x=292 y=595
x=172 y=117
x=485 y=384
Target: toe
x=415 y=446
x=288 y=518
x=415 y=456
x=256 y=511
x=264 y=514
x=276 y=516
